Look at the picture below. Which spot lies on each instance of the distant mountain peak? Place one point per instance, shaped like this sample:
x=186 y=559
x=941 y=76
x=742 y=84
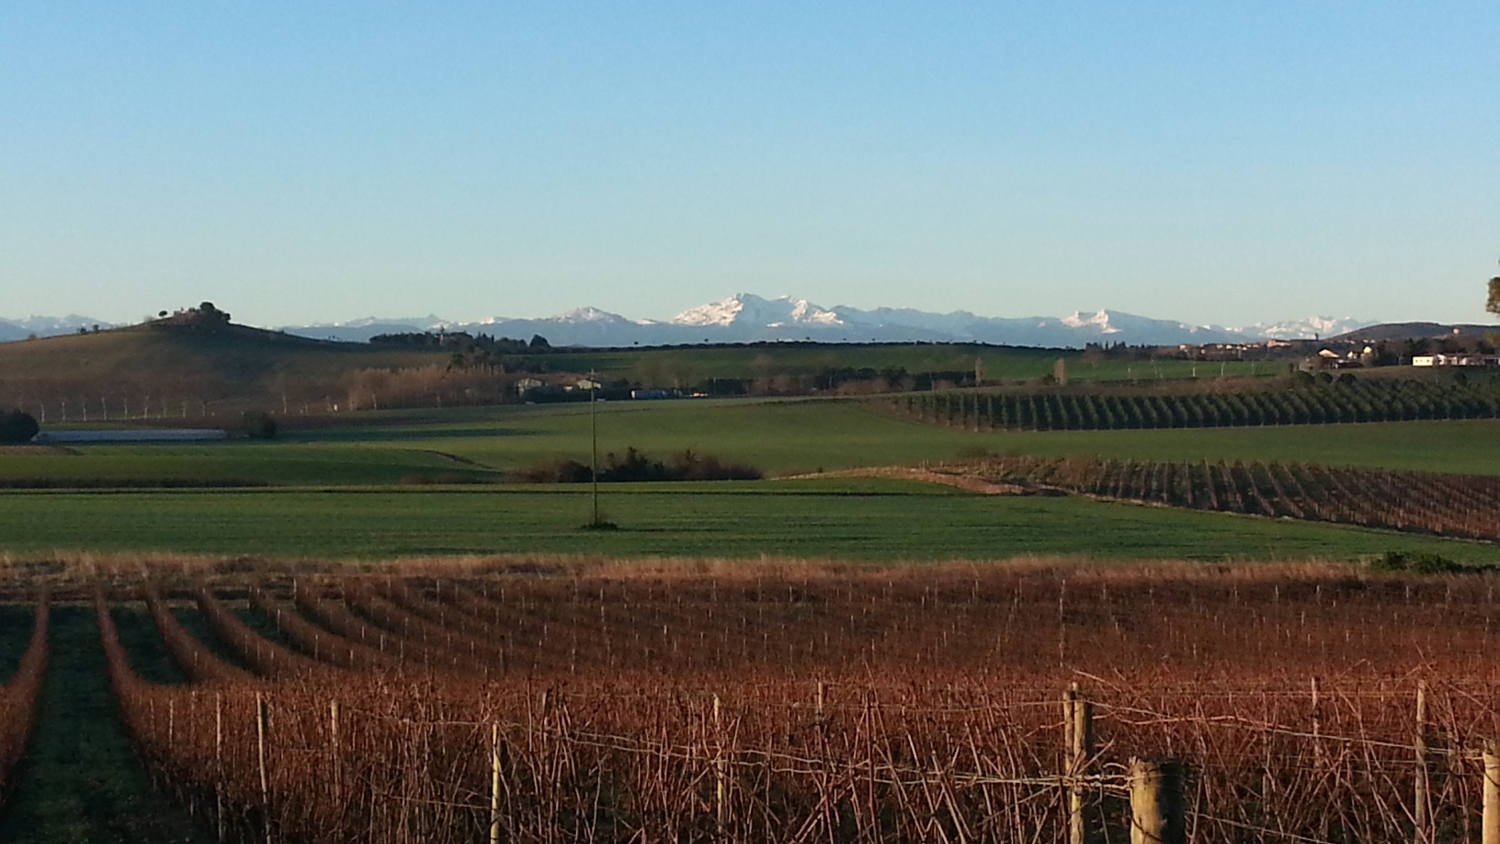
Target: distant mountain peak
x=1318 y=326
x=48 y=326
x=748 y=310
x=1098 y=320
x=590 y=313
x=721 y=312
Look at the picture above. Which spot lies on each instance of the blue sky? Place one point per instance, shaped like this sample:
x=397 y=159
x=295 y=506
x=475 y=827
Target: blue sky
x=1220 y=162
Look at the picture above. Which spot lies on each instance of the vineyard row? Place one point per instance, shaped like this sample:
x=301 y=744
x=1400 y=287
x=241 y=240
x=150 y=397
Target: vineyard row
x=326 y=754
x=18 y=698
x=1448 y=505
x=1363 y=401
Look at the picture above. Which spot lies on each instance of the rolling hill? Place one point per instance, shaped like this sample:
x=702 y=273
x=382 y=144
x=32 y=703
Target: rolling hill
x=1398 y=331
x=122 y=371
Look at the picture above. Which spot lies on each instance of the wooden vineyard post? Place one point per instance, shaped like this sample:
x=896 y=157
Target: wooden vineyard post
x=219 y=763
x=1317 y=728
x=1491 y=824
x=1422 y=822
x=721 y=807
x=1078 y=730
x=1069 y=697
x=333 y=746
x=494 y=784
x=260 y=753
x=1156 y=804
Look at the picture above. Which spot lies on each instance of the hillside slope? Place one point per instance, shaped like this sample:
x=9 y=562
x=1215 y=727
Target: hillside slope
x=156 y=363
x=1398 y=331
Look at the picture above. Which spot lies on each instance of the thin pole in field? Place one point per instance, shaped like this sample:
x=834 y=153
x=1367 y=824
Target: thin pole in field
x=219 y=763
x=594 y=436
x=333 y=745
x=261 y=716
x=1491 y=822
x=494 y=783
x=721 y=773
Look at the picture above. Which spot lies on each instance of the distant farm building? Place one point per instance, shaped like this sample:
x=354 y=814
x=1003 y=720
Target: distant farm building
x=1456 y=360
x=1329 y=359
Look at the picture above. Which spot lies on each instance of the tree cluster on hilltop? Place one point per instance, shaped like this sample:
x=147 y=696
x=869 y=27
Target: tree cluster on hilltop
x=203 y=317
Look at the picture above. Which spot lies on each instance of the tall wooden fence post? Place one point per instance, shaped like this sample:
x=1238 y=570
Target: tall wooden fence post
x=1156 y=804
x=219 y=764
x=495 y=783
x=1317 y=727
x=1422 y=820
x=721 y=771
x=260 y=753
x=1078 y=730
x=1491 y=792
x=333 y=747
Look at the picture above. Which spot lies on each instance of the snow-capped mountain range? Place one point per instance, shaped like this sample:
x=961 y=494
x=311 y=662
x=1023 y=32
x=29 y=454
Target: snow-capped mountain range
x=44 y=326
x=746 y=317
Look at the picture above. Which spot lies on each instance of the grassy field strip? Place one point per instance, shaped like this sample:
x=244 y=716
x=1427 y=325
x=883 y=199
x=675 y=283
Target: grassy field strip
x=882 y=527
x=780 y=438
x=801 y=437
x=81 y=780
x=853 y=483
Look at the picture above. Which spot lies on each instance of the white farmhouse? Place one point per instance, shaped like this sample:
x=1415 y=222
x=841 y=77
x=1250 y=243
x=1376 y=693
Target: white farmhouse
x=1456 y=360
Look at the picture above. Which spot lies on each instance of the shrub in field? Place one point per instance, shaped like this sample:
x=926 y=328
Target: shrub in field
x=17 y=427
x=692 y=466
x=635 y=465
x=258 y=425
x=1425 y=563
x=553 y=471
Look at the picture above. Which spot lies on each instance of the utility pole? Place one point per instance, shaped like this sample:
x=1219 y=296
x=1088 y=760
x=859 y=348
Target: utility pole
x=594 y=435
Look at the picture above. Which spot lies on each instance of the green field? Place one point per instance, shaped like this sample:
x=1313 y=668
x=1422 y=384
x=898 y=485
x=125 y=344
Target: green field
x=338 y=491
x=882 y=521
x=803 y=436
x=229 y=464
x=785 y=437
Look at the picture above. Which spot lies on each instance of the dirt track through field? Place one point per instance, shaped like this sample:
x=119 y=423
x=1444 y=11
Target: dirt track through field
x=926 y=476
